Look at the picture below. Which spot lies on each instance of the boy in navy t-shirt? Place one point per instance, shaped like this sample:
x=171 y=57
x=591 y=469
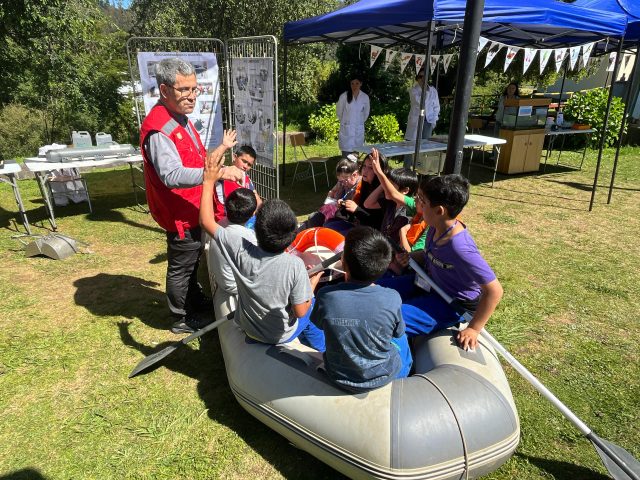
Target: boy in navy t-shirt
x=366 y=345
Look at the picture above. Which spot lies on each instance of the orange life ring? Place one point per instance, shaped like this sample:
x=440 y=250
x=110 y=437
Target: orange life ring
x=314 y=245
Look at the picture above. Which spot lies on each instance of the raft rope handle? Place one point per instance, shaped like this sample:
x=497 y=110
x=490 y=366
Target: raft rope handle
x=464 y=442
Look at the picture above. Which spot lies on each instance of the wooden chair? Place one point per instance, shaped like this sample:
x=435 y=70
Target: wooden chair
x=297 y=141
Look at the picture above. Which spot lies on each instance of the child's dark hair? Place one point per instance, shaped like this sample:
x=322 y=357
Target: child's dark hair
x=404 y=178
x=346 y=166
x=275 y=225
x=367 y=254
x=241 y=204
x=384 y=163
x=248 y=149
x=448 y=191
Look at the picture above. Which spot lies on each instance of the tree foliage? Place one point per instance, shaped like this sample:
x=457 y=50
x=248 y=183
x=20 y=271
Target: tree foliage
x=225 y=19
x=64 y=58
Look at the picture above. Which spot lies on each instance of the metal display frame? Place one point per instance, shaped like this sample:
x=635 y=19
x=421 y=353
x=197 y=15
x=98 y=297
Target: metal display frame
x=264 y=176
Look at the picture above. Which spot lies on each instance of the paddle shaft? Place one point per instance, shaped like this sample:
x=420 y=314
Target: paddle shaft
x=508 y=357
x=521 y=369
x=156 y=357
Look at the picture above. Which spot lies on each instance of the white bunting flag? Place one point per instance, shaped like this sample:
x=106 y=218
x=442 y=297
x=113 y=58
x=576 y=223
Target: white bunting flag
x=405 y=58
x=529 y=55
x=559 y=55
x=494 y=48
x=482 y=43
x=612 y=61
x=388 y=59
x=419 y=62
x=511 y=54
x=574 y=53
x=434 y=63
x=545 y=55
x=586 y=53
x=446 y=61
x=626 y=67
x=375 y=53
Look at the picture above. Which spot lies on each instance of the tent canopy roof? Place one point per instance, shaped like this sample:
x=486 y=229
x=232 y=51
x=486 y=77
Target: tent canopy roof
x=629 y=8
x=541 y=24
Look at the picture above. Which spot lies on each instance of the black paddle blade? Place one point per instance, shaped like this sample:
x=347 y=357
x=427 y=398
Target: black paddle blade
x=154 y=358
x=620 y=463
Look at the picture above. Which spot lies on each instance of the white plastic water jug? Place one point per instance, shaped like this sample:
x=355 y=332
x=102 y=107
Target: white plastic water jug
x=81 y=139
x=102 y=138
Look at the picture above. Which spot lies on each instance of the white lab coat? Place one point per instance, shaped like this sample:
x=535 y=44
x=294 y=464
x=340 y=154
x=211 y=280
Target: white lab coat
x=431 y=109
x=352 y=117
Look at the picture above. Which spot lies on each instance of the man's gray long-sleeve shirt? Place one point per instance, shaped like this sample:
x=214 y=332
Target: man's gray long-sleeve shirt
x=164 y=157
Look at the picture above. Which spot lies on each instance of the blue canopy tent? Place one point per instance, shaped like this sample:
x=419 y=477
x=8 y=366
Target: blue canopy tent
x=543 y=24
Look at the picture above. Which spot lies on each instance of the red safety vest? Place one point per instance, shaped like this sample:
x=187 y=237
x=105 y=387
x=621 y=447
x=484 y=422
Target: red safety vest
x=228 y=186
x=175 y=209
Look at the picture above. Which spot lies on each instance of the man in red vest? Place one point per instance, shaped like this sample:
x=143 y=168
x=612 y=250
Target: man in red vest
x=174 y=159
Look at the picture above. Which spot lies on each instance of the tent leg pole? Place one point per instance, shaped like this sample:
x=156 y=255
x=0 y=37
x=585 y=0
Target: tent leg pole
x=605 y=121
x=623 y=123
x=464 y=84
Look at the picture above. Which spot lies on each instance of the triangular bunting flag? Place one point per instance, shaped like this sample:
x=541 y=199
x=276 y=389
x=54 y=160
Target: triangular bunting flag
x=559 y=55
x=375 y=53
x=494 y=48
x=529 y=55
x=586 y=53
x=405 y=58
x=419 y=62
x=574 y=53
x=545 y=55
x=388 y=59
x=612 y=61
x=511 y=54
x=626 y=67
x=482 y=43
x=446 y=61
x=434 y=63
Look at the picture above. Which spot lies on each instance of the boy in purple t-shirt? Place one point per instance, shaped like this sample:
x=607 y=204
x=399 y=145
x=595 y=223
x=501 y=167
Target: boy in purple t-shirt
x=453 y=261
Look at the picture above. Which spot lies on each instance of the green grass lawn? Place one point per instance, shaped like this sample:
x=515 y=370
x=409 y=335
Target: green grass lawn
x=72 y=330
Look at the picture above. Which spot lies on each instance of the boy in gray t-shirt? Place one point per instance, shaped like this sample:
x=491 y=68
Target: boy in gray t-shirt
x=275 y=294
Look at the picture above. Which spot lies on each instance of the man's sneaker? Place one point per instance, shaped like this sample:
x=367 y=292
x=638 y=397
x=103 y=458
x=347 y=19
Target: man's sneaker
x=190 y=324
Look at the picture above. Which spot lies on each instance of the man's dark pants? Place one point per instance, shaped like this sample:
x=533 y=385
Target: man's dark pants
x=183 y=256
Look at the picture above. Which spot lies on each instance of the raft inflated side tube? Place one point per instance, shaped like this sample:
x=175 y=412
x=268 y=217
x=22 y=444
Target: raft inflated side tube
x=454 y=419
x=80 y=153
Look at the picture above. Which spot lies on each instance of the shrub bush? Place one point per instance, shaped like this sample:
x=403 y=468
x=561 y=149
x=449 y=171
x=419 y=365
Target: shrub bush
x=22 y=131
x=324 y=123
x=382 y=129
x=589 y=107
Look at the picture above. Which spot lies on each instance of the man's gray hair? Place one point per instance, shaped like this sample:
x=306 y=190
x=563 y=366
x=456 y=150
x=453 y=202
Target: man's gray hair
x=167 y=69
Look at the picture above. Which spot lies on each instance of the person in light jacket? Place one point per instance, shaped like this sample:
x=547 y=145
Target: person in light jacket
x=353 y=111
x=431 y=112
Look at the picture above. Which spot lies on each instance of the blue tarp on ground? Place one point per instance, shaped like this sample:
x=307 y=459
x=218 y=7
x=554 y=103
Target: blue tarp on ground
x=539 y=23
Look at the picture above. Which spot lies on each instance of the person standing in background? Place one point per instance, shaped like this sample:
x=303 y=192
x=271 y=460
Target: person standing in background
x=353 y=110
x=511 y=92
x=431 y=113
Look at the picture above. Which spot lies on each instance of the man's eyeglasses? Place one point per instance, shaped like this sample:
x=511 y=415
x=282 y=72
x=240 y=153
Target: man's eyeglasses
x=186 y=91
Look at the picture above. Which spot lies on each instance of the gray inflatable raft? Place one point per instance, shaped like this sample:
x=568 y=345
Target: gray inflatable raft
x=454 y=419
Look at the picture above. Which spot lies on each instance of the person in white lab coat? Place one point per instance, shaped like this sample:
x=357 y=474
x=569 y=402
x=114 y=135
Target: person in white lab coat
x=431 y=113
x=353 y=111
